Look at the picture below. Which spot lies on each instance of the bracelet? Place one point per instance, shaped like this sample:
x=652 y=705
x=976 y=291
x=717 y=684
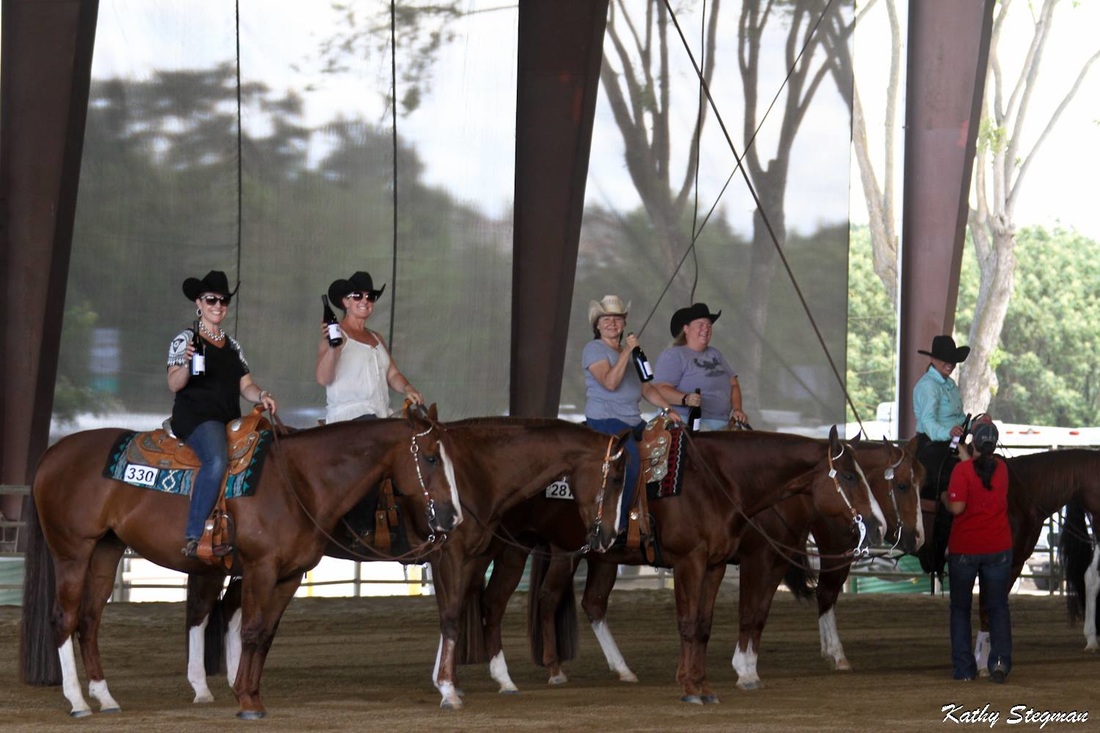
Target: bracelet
x=684 y=399
x=663 y=412
x=264 y=393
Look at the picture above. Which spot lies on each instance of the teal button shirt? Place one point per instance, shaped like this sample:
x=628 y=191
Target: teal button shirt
x=937 y=405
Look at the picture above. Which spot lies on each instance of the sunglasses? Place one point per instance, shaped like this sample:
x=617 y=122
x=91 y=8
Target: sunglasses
x=216 y=299
x=370 y=296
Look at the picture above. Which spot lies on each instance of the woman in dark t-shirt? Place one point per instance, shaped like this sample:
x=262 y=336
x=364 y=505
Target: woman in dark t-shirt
x=205 y=403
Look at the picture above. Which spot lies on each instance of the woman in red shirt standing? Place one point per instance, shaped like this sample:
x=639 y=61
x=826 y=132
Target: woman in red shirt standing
x=980 y=545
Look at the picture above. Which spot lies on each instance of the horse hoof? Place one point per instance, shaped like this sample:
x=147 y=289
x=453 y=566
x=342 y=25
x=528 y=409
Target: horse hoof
x=111 y=710
x=711 y=699
x=558 y=679
x=509 y=691
x=80 y=713
x=750 y=686
x=202 y=699
x=692 y=699
x=628 y=677
x=251 y=715
x=455 y=704
x=842 y=666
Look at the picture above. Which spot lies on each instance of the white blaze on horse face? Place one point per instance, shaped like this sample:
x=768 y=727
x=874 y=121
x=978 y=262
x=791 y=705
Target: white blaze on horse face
x=449 y=472
x=876 y=510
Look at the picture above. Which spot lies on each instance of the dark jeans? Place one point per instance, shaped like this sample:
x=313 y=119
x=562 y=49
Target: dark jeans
x=209 y=443
x=611 y=426
x=995 y=572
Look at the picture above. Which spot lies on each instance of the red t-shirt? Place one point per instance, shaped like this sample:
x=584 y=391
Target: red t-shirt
x=983 y=527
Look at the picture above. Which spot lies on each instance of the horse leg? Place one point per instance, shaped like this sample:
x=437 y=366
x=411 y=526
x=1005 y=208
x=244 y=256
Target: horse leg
x=70 y=574
x=761 y=572
x=98 y=584
x=264 y=601
x=202 y=594
x=507 y=573
x=557 y=582
x=712 y=580
x=597 y=593
x=452 y=576
x=231 y=602
x=1092 y=587
x=829 y=585
x=688 y=582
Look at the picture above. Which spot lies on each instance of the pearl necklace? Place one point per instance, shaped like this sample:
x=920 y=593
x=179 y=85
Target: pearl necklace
x=210 y=334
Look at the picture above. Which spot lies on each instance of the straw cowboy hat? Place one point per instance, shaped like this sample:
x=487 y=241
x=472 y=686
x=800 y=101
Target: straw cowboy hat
x=944 y=349
x=608 y=305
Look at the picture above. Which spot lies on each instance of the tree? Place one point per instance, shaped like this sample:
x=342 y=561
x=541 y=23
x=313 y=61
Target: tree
x=1004 y=156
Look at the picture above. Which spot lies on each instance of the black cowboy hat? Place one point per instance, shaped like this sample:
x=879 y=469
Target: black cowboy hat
x=214 y=281
x=685 y=316
x=944 y=349
x=360 y=282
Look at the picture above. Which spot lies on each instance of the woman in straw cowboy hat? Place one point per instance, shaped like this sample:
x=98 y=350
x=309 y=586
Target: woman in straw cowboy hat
x=612 y=386
x=359 y=373
x=205 y=404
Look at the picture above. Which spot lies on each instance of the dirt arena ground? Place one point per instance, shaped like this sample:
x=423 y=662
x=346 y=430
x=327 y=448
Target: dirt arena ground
x=364 y=665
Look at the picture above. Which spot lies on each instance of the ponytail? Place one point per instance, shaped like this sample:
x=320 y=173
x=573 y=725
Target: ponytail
x=985 y=463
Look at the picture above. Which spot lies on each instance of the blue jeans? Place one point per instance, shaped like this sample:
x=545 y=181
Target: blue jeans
x=209 y=443
x=995 y=572
x=611 y=426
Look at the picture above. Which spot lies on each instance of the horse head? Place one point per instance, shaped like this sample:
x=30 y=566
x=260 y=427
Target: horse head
x=892 y=475
x=843 y=491
x=432 y=471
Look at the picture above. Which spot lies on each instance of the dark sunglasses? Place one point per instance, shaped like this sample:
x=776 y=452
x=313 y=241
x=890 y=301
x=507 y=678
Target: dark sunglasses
x=216 y=299
x=371 y=296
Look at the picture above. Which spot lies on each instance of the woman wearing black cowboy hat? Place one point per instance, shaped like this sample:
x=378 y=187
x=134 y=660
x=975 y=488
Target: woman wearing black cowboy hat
x=205 y=404
x=691 y=364
x=358 y=374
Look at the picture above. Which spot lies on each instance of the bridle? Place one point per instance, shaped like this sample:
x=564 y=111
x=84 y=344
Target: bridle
x=431 y=512
x=889 y=476
x=608 y=460
x=857 y=519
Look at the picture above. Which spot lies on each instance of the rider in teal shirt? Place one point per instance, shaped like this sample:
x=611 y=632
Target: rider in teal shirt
x=937 y=404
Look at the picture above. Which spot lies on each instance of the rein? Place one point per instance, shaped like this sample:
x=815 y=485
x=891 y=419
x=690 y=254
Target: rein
x=790 y=553
x=412 y=554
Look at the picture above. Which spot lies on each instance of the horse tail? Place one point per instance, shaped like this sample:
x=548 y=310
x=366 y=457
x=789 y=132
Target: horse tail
x=799 y=577
x=565 y=624
x=540 y=564
x=39 y=662
x=470 y=644
x=1076 y=553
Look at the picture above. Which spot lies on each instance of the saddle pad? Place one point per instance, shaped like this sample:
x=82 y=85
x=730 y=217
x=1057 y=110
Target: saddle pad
x=673 y=481
x=176 y=479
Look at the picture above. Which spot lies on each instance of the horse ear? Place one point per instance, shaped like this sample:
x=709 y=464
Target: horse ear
x=834 y=440
x=855 y=441
x=433 y=413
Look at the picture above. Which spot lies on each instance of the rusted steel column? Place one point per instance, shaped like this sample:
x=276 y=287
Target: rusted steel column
x=45 y=68
x=560 y=54
x=948 y=53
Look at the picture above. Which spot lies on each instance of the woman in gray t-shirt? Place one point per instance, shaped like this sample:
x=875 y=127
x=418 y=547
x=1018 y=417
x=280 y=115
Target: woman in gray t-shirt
x=613 y=389
x=691 y=363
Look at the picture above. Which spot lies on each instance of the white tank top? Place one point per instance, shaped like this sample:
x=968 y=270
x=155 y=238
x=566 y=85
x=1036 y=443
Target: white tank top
x=360 y=386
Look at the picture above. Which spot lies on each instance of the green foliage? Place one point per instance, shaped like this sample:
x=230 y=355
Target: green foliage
x=872 y=332
x=1048 y=360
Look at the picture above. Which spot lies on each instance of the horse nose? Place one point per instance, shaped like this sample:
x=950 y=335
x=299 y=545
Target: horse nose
x=445 y=519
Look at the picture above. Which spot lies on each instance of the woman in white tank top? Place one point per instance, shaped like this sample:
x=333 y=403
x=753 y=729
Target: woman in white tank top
x=358 y=374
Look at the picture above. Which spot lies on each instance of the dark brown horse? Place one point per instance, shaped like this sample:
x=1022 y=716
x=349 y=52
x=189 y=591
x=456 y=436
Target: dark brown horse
x=505 y=461
x=729 y=477
x=310 y=480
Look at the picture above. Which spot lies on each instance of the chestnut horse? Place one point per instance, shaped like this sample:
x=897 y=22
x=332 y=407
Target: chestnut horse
x=728 y=478
x=311 y=479
x=506 y=460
